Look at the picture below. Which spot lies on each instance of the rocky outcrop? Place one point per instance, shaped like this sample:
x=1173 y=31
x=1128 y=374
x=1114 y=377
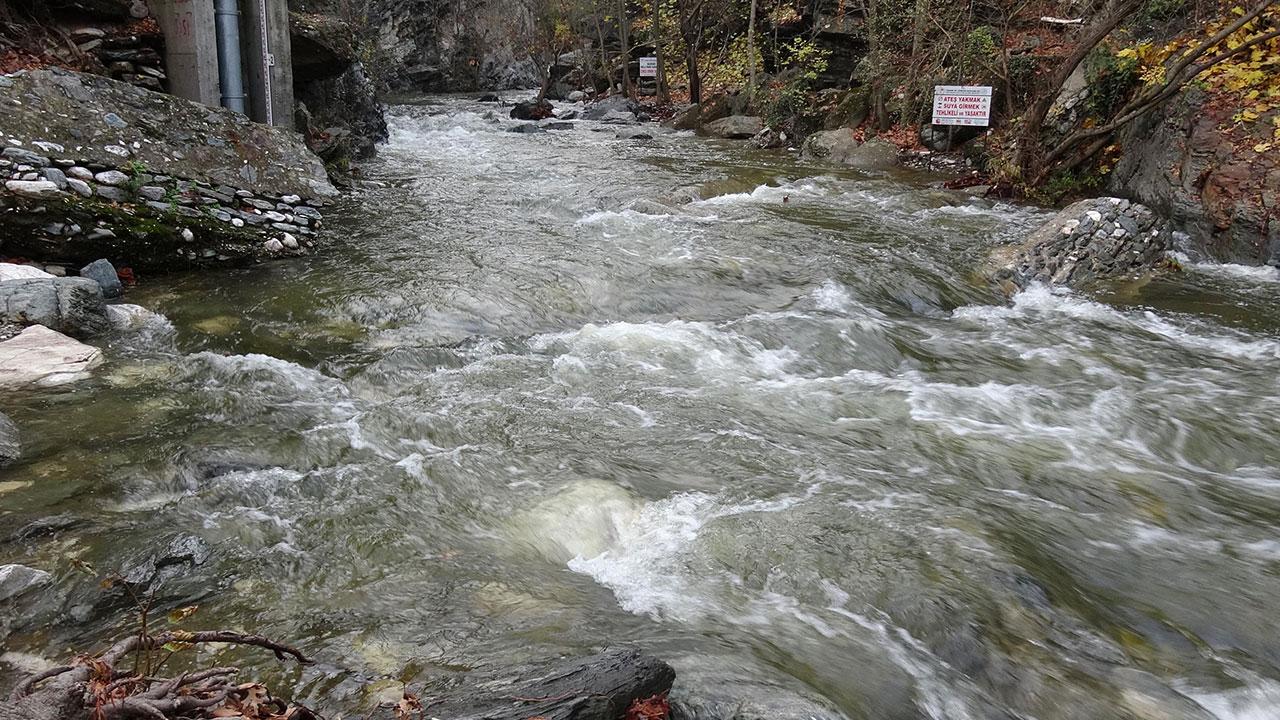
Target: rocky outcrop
x=337 y=104
x=40 y=357
x=1090 y=241
x=1222 y=193
x=97 y=168
x=440 y=46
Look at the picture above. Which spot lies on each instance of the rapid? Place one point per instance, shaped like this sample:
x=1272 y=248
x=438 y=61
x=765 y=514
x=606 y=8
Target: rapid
x=546 y=393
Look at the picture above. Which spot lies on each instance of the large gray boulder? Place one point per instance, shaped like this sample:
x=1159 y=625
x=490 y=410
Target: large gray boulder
x=735 y=127
x=10 y=449
x=1090 y=241
x=40 y=357
x=829 y=145
x=614 y=106
x=73 y=306
x=874 y=154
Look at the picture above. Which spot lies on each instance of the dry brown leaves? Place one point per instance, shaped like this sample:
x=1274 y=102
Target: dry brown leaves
x=655 y=707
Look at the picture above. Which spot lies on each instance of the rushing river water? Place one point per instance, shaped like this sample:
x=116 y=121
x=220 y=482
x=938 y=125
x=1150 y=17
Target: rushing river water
x=543 y=394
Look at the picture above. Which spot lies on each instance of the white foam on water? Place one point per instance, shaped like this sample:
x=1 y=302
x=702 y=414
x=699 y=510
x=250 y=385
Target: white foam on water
x=1040 y=302
x=1249 y=273
x=645 y=562
x=1257 y=699
x=672 y=349
x=771 y=194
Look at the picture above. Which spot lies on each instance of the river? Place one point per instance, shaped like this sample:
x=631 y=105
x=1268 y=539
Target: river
x=542 y=394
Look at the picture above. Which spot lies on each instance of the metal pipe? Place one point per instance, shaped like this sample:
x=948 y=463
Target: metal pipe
x=226 y=19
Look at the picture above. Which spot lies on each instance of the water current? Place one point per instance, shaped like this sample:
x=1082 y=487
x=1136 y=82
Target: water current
x=547 y=393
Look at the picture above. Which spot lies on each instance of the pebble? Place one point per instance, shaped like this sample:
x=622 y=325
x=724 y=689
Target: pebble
x=274 y=216
x=81 y=173
x=187 y=235
x=289 y=241
x=118 y=150
x=291 y=199
x=237 y=222
x=273 y=245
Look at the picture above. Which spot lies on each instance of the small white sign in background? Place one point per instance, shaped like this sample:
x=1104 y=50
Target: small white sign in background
x=649 y=67
x=961 y=105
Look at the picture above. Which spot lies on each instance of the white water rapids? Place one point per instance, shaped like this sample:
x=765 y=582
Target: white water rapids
x=543 y=394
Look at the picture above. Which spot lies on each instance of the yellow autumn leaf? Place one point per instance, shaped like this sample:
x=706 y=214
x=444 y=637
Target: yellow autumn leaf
x=1248 y=115
x=1262 y=147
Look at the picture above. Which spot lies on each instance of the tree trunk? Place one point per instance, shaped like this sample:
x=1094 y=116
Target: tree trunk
x=604 y=51
x=751 y=51
x=624 y=28
x=1107 y=19
x=664 y=96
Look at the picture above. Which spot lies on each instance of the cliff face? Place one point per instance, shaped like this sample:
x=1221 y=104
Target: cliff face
x=437 y=45
x=1213 y=186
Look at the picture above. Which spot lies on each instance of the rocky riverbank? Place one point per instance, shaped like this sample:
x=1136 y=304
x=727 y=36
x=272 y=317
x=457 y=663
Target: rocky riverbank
x=98 y=168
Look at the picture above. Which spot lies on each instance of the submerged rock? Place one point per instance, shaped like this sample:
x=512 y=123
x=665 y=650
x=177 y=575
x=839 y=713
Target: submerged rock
x=531 y=110
x=615 y=108
x=40 y=357
x=17 y=580
x=1091 y=240
x=73 y=306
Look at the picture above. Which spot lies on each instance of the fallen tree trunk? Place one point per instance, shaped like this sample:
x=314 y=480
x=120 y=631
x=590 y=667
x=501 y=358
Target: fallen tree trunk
x=599 y=687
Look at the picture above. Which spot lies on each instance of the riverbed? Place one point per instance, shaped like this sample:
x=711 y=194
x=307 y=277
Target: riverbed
x=542 y=394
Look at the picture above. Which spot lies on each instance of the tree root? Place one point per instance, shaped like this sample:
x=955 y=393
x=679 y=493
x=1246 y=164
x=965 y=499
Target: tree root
x=95 y=688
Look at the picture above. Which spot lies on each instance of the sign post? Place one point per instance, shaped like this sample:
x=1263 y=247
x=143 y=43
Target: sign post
x=649 y=67
x=961 y=105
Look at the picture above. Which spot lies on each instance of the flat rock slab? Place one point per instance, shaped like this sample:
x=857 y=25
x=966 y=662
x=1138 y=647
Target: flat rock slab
x=40 y=357
x=167 y=134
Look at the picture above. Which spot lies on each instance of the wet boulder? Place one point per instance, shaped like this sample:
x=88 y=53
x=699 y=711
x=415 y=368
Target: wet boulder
x=735 y=127
x=73 y=306
x=829 y=145
x=613 y=107
x=598 y=687
x=18 y=580
x=40 y=357
x=525 y=128
x=874 y=154
x=531 y=110
x=1090 y=241
x=10 y=449
x=104 y=273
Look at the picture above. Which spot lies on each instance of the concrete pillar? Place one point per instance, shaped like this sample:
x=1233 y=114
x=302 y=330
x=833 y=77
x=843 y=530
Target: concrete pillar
x=268 y=60
x=191 y=48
